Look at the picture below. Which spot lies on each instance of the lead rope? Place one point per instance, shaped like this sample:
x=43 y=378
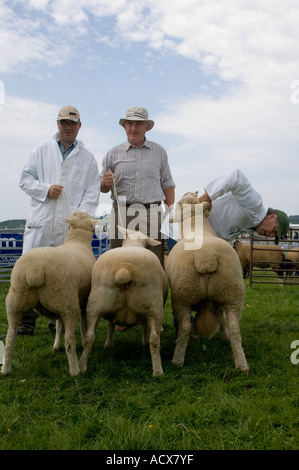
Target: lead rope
x=116 y=197
x=53 y=216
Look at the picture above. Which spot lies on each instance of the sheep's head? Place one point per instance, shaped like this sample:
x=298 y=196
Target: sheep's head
x=81 y=220
x=238 y=245
x=136 y=238
x=190 y=199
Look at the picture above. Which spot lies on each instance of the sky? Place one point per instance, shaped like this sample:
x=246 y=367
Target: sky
x=220 y=78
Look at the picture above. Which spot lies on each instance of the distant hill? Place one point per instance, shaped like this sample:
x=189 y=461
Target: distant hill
x=19 y=223
x=14 y=223
x=294 y=219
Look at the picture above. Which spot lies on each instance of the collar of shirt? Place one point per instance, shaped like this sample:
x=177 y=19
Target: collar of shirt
x=146 y=143
x=65 y=152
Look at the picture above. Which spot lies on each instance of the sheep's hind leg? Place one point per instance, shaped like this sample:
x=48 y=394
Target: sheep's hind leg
x=183 y=336
x=14 y=320
x=236 y=342
x=109 y=339
x=83 y=325
x=155 y=329
x=223 y=324
x=88 y=342
x=145 y=336
x=70 y=344
x=58 y=334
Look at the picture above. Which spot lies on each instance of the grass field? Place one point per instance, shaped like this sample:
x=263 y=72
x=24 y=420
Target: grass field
x=118 y=405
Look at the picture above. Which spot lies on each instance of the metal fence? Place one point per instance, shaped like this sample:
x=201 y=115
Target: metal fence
x=286 y=273
x=11 y=246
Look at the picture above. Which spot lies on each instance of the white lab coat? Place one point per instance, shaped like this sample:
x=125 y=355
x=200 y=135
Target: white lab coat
x=237 y=207
x=78 y=175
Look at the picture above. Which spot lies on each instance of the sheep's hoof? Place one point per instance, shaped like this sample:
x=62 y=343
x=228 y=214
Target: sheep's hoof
x=158 y=373
x=5 y=371
x=178 y=363
x=244 y=369
x=83 y=368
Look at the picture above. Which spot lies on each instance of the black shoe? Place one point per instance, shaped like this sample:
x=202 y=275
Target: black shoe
x=25 y=331
x=52 y=326
x=21 y=332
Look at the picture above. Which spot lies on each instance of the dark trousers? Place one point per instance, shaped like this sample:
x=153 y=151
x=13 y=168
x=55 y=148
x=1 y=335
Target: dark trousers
x=147 y=220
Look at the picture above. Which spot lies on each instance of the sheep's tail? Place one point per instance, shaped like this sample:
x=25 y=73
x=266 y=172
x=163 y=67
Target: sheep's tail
x=205 y=263
x=35 y=278
x=122 y=276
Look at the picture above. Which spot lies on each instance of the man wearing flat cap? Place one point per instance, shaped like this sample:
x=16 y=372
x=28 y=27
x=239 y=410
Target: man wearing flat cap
x=138 y=175
x=237 y=207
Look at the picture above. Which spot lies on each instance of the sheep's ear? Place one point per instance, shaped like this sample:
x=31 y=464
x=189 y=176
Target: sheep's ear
x=152 y=242
x=122 y=230
x=68 y=221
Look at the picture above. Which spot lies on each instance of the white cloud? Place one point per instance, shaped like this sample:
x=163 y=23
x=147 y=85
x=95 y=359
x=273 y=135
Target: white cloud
x=247 y=51
x=25 y=124
x=24 y=40
x=68 y=11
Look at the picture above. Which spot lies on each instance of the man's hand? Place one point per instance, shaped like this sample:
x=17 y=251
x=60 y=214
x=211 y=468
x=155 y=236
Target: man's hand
x=107 y=181
x=206 y=198
x=55 y=191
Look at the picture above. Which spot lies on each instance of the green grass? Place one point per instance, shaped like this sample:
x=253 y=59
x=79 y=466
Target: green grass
x=206 y=404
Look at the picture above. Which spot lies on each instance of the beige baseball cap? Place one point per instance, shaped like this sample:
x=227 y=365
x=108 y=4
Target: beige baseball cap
x=69 y=112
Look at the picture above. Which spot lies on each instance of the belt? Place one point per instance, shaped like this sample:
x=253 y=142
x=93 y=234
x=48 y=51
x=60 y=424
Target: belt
x=147 y=206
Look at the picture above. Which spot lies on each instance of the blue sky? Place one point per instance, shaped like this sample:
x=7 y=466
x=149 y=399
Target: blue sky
x=219 y=78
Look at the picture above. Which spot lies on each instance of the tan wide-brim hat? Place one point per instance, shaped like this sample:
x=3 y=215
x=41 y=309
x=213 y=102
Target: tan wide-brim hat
x=69 y=112
x=137 y=114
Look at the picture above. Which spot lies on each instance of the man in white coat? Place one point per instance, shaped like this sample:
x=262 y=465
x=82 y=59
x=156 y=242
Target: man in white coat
x=61 y=176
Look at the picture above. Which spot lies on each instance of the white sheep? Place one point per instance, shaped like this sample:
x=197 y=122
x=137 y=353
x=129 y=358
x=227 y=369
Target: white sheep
x=208 y=281
x=129 y=287
x=56 y=283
